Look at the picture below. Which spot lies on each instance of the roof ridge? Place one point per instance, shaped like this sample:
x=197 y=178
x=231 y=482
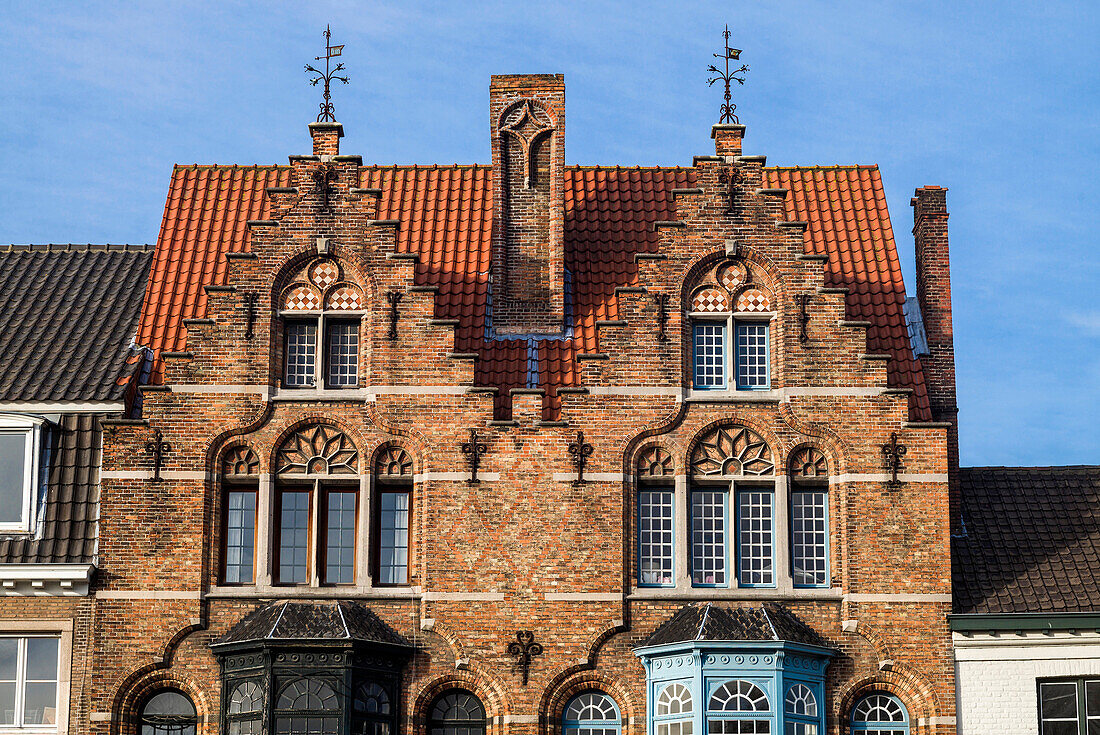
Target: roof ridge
x=271 y=633
x=340 y=609
x=76 y=248
x=703 y=621
x=767 y=617
x=819 y=167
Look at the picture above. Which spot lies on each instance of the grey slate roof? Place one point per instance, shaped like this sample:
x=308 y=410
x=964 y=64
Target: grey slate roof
x=709 y=622
x=67 y=316
x=301 y=621
x=68 y=530
x=1030 y=541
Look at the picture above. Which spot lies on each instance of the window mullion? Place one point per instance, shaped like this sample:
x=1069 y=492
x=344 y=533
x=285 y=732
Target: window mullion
x=319 y=365
x=20 y=681
x=318 y=532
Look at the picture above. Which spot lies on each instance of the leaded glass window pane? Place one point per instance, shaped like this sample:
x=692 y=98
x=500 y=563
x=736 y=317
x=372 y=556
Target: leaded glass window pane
x=340 y=538
x=294 y=537
x=343 y=354
x=456 y=712
x=755 y=537
x=393 y=542
x=168 y=713
x=810 y=537
x=301 y=354
x=710 y=354
x=738 y=727
x=738 y=696
x=656 y=542
x=591 y=713
x=240 y=536
x=708 y=537
x=801 y=728
x=752 y=355
x=883 y=714
x=306 y=725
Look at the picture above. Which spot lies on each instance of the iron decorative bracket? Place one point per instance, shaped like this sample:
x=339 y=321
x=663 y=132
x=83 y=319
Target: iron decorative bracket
x=892 y=453
x=323 y=178
x=803 y=300
x=394 y=297
x=730 y=177
x=580 y=451
x=250 y=301
x=524 y=649
x=661 y=299
x=473 y=450
x=158 y=448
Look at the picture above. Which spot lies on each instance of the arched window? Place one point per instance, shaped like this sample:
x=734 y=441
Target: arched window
x=880 y=714
x=307 y=705
x=372 y=711
x=672 y=713
x=656 y=518
x=739 y=708
x=244 y=714
x=456 y=712
x=591 y=713
x=801 y=711
x=393 y=475
x=809 y=471
x=168 y=712
x=240 y=471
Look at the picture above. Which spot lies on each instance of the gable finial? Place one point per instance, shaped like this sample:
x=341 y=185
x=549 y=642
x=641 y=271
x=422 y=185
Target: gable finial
x=328 y=112
x=727 y=76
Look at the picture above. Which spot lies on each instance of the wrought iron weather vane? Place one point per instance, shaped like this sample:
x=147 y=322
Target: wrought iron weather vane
x=328 y=112
x=524 y=649
x=728 y=108
x=158 y=448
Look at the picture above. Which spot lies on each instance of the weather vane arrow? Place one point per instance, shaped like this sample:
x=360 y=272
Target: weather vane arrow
x=727 y=76
x=328 y=112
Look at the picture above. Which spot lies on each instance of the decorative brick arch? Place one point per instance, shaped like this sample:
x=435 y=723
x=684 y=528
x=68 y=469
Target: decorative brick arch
x=835 y=447
x=393 y=454
x=238 y=456
x=303 y=260
x=572 y=682
x=654 y=460
x=471 y=678
x=814 y=456
x=733 y=426
x=143 y=683
x=907 y=685
x=306 y=421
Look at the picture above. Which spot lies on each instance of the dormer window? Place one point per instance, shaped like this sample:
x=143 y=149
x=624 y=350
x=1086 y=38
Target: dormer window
x=730 y=333
x=19 y=449
x=321 y=318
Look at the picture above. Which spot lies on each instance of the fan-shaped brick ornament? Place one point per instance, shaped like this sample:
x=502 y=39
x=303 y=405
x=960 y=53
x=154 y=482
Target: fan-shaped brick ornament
x=753 y=299
x=318 y=450
x=655 y=462
x=733 y=275
x=240 y=460
x=732 y=450
x=345 y=298
x=302 y=298
x=393 y=461
x=808 y=463
x=710 y=299
x=324 y=273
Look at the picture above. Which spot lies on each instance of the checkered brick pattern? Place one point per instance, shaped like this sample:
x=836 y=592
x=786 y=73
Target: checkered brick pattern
x=732 y=275
x=753 y=299
x=325 y=273
x=345 y=298
x=302 y=297
x=710 y=299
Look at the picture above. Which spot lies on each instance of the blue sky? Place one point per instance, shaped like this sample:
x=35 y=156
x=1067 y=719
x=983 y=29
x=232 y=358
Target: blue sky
x=998 y=101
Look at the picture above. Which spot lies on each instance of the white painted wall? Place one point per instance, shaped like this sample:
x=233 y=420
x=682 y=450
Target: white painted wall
x=995 y=676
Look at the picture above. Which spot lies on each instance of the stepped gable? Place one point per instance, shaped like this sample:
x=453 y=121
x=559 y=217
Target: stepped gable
x=313 y=621
x=1030 y=540
x=446 y=218
x=709 y=622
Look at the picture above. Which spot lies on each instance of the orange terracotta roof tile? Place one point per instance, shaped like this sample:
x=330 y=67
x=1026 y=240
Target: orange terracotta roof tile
x=446 y=217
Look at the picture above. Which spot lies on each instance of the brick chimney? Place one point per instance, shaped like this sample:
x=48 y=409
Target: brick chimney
x=527 y=129
x=326 y=138
x=727 y=139
x=934 y=296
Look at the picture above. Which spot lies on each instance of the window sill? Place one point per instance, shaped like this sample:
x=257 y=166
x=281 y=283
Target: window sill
x=318 y=394
x=345 y=592
x=733 y=396
x=742 y=593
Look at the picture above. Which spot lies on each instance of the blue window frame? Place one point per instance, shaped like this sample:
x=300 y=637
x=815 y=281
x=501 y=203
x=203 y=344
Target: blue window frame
x=756 y=537
x=656 y=537
x=673 y=711
x=739 y=707
x=880 y=714
x=751 y=358
x=709 y=538
x=591 y=713
x=801 y=714
x=709 y=355
x=810 y=537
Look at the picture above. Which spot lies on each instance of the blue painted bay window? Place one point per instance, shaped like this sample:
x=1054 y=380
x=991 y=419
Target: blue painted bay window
x=735 y=671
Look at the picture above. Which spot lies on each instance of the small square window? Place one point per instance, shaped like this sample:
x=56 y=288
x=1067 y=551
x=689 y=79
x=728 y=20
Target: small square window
x=343 y=354
x=301 y=354
x=752 y=356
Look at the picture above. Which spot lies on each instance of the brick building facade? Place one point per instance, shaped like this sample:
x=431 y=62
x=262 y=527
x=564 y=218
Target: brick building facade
x=523 y=447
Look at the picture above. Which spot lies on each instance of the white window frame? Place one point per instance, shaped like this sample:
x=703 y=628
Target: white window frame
x=321 y=359
x=61 y=629
x=731 y=319
x=31 y=427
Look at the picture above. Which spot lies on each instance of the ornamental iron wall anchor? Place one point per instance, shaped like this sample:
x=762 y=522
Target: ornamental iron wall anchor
x=328 y=112
x=580 y=451
x=661 y=299
x=728 y=108
x=250 y=301
x=730 y=177
x=803 y=317
x=323 y=178
x=473 y=450
x=524 y=649
x=892 y=453
x=158 y=448
x=394 y=297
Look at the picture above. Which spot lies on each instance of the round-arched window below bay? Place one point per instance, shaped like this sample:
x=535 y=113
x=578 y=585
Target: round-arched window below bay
x=456 y=712
x=591 y=713
x=168 y=712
